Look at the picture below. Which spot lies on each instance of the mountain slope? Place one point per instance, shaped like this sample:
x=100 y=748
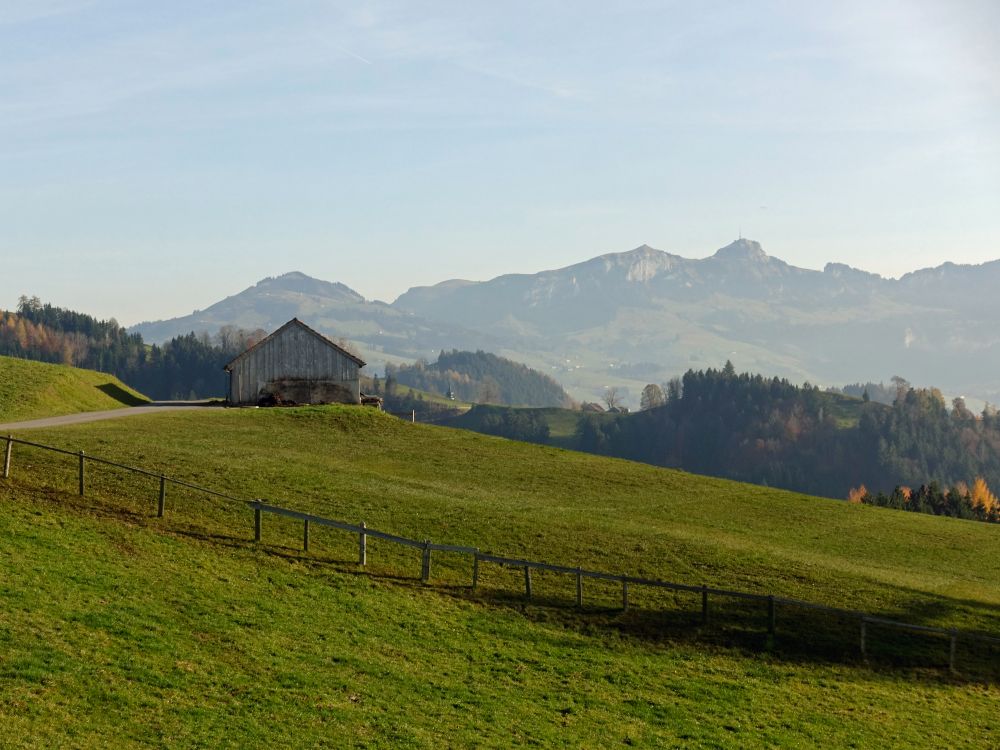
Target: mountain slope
x=659 y=313
x=627 y=319
x=644 y=277
x=331 y=308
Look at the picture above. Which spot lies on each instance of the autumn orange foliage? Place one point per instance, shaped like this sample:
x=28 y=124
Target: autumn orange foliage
x=857 y=494
x=981 y=496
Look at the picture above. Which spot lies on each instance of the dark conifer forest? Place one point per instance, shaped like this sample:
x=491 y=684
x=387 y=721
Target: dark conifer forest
x=769 y=431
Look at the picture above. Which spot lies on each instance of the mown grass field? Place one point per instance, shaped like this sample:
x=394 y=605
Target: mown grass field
x=182 y=631
x=29 y=390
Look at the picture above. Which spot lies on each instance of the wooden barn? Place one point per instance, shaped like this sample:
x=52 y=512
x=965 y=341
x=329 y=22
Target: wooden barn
x=294 y=365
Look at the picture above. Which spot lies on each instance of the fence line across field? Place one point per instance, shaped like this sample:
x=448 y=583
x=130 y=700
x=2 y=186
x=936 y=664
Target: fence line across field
x=83 y=457
x=625 y=580
x=260 y=507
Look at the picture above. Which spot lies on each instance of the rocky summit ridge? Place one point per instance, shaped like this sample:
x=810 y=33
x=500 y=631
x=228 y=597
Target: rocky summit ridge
x=646 y=315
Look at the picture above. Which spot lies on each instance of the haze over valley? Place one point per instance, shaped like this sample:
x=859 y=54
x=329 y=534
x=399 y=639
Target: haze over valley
x=645 y=315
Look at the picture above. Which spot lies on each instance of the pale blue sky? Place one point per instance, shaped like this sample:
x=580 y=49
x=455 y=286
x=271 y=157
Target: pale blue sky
x=156 y=157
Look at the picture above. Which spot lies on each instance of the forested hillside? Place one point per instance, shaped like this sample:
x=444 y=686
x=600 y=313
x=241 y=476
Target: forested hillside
x=771 y=432
x=188 y=366
x=481 y=377
x=53 y=334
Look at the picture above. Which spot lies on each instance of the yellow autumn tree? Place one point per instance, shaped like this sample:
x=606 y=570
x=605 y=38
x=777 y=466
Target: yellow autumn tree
x=982 y=498
x=857 y=494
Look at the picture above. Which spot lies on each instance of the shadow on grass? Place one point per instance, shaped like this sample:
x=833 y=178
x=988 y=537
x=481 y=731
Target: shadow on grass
x=801 y=636
x=120 y=395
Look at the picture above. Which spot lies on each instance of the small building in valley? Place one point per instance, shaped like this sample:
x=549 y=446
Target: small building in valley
x=295 y=365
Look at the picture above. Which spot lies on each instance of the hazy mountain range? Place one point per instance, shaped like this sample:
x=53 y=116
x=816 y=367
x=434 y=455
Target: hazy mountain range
x=644 y=315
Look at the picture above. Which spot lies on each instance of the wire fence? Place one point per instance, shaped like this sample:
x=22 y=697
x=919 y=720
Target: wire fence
x=626 y=582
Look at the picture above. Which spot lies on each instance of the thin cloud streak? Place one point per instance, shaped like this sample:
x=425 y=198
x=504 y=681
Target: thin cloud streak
x=416 y=131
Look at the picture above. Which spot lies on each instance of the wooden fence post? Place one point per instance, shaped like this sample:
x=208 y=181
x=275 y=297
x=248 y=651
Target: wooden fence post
x=163 y=496
x=81 y=473
x=6 y=456
x=425 y=569
x=305 y=534
x=624 y=594
x=579 y=587
x=864 y=638
x=527 y=580
x=704 y=604
x=256 y=524
x=362 y=545
x=475 y=570
x=951 y=651
x=413 y=415
x=770 y=615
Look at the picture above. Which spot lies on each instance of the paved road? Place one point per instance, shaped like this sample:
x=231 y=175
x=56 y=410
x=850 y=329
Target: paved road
x=95 y=416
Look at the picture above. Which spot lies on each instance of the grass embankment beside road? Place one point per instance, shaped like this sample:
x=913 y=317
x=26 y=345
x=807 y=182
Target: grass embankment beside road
x=31 y=390
x=183 y=631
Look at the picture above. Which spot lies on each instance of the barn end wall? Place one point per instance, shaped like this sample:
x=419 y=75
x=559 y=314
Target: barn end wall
x=295 y=366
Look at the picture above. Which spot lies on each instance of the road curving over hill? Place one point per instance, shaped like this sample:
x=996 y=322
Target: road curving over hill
x=96 y=416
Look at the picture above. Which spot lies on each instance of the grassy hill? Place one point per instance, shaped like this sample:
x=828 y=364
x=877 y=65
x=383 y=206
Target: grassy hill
x=182 y=631
x=35 y=389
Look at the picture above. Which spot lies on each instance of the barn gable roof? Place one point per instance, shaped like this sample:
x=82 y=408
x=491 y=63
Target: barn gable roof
x=296 y=322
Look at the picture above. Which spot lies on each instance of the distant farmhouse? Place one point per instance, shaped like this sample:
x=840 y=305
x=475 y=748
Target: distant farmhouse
x=295 y=365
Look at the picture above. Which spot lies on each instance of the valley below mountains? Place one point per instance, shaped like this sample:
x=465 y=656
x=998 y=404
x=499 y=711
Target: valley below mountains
x=644 y=316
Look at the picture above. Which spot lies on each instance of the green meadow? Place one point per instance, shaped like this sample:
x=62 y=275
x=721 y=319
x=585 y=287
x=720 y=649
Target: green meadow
x=29 y=390
x=121 y=628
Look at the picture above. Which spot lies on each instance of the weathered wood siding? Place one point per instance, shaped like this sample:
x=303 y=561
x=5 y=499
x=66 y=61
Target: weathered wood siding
x=295 y=366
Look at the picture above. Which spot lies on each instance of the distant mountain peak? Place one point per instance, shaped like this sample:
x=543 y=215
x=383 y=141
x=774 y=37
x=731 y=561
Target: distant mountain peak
x=742 y=249
x=294 y=276
x=844 y=271
x=644 y=263
x=300 y=283
x=643 y=251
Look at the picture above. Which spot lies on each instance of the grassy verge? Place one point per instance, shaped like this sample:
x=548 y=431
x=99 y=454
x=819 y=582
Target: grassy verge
x=29 y=390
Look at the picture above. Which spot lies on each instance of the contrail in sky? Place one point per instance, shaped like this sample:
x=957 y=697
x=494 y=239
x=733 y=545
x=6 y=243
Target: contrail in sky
x=346 y=51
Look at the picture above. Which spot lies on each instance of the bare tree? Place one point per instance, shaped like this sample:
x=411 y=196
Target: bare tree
x=652 y=396
x=611 y=398
x=346 y=345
